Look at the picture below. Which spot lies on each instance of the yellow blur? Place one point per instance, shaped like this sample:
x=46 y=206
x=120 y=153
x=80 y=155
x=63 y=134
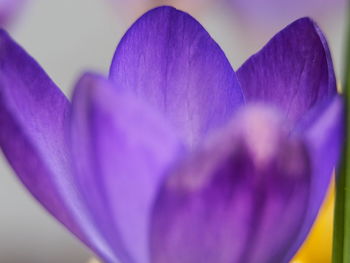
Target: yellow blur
x=318 y=245
x=93 y=260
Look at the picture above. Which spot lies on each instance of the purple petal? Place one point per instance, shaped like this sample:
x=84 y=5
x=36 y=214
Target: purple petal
x=169 y=60
x=121 y=149
x=293 y=71
x=33 y=114
x=324 y=139
x=241 y=198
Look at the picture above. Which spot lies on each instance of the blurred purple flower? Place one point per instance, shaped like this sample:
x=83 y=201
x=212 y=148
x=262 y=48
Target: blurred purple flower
x=273 y=11
x=9 y=9
x=177 y=158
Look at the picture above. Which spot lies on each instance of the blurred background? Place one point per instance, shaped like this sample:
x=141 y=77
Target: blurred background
x=68 y=37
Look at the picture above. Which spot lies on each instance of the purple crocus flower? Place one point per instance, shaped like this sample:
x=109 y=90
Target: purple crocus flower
x=177 y=158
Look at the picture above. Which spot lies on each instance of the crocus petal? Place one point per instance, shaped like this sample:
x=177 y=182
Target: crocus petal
x=33 y=114
x=293 y=71
x=120 y=148
x=240 y=198
x=324 y=139
x=168 y=59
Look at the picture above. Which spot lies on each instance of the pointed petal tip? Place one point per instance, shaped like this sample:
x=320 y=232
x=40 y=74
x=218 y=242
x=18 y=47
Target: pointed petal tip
x=296 y=63
x=306 y=22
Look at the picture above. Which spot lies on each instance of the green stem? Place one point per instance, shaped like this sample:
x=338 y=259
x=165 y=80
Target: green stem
x=341 y=237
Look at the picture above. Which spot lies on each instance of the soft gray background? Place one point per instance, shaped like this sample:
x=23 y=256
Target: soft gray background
x=68 y=37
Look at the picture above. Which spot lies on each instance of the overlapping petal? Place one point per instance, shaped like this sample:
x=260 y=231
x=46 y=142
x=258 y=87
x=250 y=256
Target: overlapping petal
x=169 y=60
x=324 y=139
x=240 y=198
x=121 y=149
